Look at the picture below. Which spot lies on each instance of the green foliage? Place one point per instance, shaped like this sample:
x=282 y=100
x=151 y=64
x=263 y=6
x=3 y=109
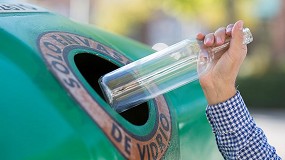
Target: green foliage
x=266 y=91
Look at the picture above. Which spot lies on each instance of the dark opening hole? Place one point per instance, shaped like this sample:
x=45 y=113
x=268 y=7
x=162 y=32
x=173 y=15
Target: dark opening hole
x=92 y=68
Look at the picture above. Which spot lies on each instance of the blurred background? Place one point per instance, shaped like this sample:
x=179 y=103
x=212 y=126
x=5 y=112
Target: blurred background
x=262 y=77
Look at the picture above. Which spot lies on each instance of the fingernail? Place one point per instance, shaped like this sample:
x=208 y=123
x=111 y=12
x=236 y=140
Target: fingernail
x=228 y=30
x=207 y=41
x=240 y=25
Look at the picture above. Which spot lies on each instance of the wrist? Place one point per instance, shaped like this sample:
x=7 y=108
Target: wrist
x=218 y=95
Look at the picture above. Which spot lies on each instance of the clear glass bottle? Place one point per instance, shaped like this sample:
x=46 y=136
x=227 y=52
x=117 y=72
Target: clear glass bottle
x=160 y=72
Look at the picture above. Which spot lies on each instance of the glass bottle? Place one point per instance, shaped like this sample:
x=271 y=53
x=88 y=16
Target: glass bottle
x=160 y=72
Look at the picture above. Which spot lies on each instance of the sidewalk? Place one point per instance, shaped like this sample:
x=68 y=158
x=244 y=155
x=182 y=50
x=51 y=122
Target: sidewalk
x=273 y=124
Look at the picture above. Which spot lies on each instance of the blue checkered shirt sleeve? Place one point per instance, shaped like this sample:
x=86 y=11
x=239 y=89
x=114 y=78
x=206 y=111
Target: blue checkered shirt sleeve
x=236 y=133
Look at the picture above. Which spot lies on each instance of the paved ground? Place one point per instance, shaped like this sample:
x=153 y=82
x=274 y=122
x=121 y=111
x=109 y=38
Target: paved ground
x=273 y=124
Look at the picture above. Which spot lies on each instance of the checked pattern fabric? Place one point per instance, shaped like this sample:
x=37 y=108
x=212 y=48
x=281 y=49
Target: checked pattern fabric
x=236 y=133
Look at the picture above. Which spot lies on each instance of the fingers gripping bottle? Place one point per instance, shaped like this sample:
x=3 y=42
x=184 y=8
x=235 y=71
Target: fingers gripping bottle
x=160 y=72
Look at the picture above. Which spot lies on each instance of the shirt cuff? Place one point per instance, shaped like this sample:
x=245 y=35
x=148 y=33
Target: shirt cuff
x=229 y=116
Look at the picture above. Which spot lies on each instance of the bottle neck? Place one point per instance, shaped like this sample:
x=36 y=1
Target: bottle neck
x=247 y=38
x=208 y=54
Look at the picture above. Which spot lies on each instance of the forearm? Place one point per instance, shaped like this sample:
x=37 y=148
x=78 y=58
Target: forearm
x=236 y=133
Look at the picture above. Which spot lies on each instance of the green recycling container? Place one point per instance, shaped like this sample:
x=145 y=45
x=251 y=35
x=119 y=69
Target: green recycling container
x=51 y=106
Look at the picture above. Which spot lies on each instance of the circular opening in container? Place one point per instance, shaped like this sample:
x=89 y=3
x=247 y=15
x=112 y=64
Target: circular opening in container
x=92 y=68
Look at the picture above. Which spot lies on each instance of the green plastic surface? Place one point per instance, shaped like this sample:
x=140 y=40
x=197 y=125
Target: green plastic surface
x=40 y=119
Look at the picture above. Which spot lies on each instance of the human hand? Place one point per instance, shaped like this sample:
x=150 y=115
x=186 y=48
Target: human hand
x=218 y=83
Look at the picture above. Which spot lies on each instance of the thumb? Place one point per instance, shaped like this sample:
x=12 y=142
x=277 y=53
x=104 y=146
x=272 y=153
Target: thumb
x=237 y=48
